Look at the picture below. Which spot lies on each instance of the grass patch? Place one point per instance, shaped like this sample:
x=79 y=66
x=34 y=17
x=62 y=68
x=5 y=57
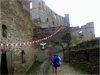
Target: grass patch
x=34 y=69
x=80 y=49
x=74 y=43
x=78 y=69
x=59 y=52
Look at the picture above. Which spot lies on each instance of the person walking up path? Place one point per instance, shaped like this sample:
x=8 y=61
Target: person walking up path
x=56 y=63
x=65 y=68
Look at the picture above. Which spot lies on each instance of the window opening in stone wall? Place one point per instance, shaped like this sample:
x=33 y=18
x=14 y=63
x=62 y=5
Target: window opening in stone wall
x=43 y=5
x=80 y=33
x=55 y=16
x=4 y=31
x=51 y=12
x=30 y=5
x=53 y=22
x=23 y=56
x=47 y=20
x=42 y=2
x=59 y=18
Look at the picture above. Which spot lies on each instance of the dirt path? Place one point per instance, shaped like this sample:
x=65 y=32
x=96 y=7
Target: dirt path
x=65 y=68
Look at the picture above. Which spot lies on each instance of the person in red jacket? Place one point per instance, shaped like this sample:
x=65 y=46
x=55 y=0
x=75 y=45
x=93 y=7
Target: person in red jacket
x=51 y=57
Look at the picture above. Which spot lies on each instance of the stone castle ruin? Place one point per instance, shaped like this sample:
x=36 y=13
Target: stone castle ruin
x=47 y=22
x=44 y=16
x=20 y=24
x=83 y=33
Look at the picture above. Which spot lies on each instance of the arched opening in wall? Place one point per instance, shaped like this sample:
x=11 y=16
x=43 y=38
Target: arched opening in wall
x=80 y=34
x=59 y=18
x=55 y=16
x=30 y=4
x=4 y=68
x=60 y=47
x=47 y=20
x=43 y=5
x=23 y=56
x=51 y=12
x=53 y=22
x=4 y=31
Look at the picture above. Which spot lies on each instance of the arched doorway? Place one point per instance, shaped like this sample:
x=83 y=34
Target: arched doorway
x=61 y=48
x=4 y=68
x=6 y=62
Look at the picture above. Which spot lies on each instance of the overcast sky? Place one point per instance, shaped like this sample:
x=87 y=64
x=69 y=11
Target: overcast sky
x=80 y=11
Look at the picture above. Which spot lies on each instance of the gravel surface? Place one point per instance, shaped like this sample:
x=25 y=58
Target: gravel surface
x=65 y=68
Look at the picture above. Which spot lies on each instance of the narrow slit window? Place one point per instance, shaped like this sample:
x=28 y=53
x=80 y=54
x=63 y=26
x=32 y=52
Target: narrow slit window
x=47 y=19
x=30 y=5
x=23 y=56
x=4 y=31
x=53 y=22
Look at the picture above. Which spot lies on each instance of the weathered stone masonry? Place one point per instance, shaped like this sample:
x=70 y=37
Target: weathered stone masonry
x=49 y=22
x=83 y=33
x=44 y=16
x=86 y=56
x=15 y=18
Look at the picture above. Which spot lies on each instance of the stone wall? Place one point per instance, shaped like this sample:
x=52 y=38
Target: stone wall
x=48 y=31
x=86 y=59
x=61 y=36
x=44 y=16
x=43 y=54
x=47 y=22
x=15 y=19
x=83 y=33
x=86 y=56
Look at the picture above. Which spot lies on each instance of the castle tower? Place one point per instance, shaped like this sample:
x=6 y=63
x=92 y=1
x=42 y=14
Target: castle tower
x=90 y=30
x=67 y=21
x=87 y=32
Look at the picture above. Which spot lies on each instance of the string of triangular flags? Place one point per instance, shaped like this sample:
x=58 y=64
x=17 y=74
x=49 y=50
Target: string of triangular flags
x=32 y=42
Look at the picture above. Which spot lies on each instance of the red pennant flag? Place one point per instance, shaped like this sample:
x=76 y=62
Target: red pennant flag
x=30 y=42
x=38 y=40
x=35 y=41
x=14 y=44
x=18 y=44
x=4 y=45
x=9 y=45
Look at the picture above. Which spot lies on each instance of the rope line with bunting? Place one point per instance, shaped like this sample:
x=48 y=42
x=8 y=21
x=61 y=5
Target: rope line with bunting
x=28 y=43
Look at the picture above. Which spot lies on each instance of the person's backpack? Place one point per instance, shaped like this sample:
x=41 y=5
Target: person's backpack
x=56 y=60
